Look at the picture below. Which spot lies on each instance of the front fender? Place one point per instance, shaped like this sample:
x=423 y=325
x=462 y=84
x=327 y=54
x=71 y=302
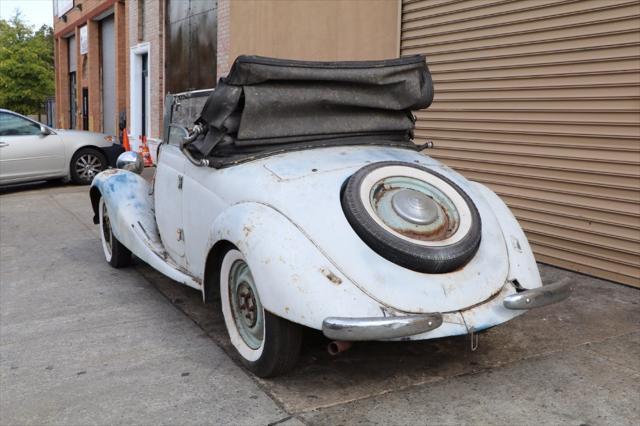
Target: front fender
x=126 y=195
x=295 y=279
x=131 y=213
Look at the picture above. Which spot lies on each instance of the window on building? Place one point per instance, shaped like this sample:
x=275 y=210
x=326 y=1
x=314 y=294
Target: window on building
x=73 y=100
x=144 y=91
x=73 y=93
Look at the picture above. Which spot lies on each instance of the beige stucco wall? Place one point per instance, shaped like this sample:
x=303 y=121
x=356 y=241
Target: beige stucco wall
x=308 y=29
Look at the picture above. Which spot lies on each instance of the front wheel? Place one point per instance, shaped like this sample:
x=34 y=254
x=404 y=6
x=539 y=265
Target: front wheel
x=116 y=254
x=86 y=164
x=267 y=344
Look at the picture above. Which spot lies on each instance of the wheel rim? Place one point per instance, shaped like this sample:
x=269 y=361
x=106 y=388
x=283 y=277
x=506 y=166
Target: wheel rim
x=106 y=229
x=246 y=308
x=415 y=205
x=414 y=208
x=87 y=166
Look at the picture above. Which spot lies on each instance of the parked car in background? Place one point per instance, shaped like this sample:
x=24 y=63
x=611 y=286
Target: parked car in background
x=31 y=151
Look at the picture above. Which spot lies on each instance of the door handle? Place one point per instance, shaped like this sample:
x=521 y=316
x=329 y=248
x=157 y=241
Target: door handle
x=3 y=144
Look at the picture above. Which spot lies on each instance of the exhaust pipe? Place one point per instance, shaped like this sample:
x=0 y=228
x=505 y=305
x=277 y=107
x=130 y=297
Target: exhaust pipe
x=338 y=346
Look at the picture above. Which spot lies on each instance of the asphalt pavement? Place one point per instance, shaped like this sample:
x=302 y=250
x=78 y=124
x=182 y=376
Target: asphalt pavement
x=82 y=343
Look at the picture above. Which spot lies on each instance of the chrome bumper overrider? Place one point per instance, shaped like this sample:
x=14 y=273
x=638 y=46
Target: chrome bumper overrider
x=540 y=296
x=379 y=328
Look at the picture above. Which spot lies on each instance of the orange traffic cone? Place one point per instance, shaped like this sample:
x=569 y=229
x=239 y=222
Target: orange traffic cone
x=125 y=140
x=144 y=152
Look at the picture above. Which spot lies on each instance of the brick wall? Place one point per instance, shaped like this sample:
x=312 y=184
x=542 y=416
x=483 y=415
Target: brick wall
x=61 y=58
x=224 y=37
x=122 y=57
x=91 y=77
x=89 y=67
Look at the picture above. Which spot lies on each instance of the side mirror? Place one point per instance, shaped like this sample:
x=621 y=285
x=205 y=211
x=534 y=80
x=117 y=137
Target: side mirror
x=131 y=161
x=44 y=130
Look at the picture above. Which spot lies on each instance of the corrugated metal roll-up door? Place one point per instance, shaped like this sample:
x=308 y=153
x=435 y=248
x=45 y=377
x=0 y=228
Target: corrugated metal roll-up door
x=540 y=100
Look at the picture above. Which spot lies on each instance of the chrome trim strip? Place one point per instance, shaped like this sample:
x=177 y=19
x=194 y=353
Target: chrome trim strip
x=541 y=296
x=378 y=328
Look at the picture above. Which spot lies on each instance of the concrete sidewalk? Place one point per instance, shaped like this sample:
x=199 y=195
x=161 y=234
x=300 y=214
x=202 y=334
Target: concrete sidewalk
x=82 y=343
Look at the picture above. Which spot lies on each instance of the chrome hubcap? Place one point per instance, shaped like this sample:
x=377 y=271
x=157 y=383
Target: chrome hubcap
x=87 y=166
x=247 y=311
x=414 y=207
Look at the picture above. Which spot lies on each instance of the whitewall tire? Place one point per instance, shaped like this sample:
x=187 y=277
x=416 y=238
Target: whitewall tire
x=116 y=254
x=268 y=345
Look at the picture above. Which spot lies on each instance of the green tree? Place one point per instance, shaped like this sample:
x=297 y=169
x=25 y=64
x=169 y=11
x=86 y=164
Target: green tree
x=26 y=65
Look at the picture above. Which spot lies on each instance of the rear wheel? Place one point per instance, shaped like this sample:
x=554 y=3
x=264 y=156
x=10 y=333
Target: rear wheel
x=115 y=253
x=267 y=344
x=86 y=164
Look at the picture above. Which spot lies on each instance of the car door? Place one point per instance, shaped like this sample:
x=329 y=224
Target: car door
x=168 y=198
x=27 y=153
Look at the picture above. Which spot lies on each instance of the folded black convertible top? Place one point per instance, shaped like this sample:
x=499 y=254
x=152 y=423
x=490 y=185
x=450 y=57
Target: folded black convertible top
x=270 y=105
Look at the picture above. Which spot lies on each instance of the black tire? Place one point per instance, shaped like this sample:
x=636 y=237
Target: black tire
x=277 y=352
x=283 y=343
x=86 y=163
x=421 y=258
x=115 y=253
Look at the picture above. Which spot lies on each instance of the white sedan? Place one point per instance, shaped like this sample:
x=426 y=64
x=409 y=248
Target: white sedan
x=31 y=151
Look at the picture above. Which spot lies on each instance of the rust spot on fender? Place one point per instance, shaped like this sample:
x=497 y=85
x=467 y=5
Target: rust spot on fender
x=247 y=229
x=331 y=276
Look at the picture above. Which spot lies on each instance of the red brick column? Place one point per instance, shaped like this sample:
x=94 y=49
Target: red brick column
x=62 y=82
x=81 y=67
x=122 y=58
x=92 y=79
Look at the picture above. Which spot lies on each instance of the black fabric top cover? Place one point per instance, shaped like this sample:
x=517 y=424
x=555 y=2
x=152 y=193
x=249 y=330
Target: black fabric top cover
x=270 y=105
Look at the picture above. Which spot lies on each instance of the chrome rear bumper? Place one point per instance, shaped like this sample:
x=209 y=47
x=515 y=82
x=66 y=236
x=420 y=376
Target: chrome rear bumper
x=379 y=328
x=540 y=296
x=384 y=328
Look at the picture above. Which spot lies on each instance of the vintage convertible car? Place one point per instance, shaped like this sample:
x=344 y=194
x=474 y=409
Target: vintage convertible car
x=300 y=198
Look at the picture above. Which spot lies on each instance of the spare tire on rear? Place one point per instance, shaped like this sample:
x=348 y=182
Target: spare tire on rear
x=412 y=216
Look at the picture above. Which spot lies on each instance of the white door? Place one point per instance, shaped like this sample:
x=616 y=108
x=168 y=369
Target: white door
x=26 y=153
x=140 y=101
x=168 y=200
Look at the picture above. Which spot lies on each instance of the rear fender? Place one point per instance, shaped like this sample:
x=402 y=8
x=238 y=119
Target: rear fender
x=295 y=280
x=131 y=213
x=522 y=263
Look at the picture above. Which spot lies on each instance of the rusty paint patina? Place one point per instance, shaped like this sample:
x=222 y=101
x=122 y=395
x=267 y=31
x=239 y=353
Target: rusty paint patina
x=284 y=214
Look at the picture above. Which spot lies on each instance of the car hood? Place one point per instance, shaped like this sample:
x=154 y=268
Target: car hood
x=305 y=187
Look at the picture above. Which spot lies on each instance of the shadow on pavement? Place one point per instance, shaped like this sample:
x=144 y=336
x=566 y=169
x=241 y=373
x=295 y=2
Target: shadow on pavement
x=373 y=368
